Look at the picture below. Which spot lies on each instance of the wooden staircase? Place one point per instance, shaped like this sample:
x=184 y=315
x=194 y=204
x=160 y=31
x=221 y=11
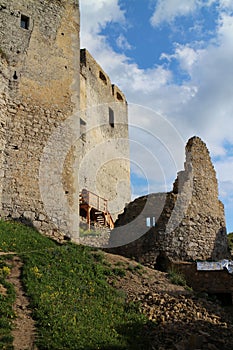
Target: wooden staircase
x=95 y=209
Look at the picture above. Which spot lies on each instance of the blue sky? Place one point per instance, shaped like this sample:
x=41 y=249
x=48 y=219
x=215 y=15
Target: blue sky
x=173 y=59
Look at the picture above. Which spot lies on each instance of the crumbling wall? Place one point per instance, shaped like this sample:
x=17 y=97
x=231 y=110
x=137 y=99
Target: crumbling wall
x=191 y=223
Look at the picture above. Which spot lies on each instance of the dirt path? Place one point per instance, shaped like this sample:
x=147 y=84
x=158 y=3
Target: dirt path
x=24 y=331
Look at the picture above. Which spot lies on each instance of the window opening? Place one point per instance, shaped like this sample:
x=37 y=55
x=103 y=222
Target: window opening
x=119 y=97
x=150 y=222
x=103 y=77
x=153 y=221
x=15 y=76
x=83 y=127
x=24 y=22
x=111 y=117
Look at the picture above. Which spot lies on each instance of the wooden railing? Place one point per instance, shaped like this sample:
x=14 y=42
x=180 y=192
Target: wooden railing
x=93 y=200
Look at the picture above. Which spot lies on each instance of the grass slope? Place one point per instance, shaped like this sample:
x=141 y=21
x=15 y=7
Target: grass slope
x=73 y=305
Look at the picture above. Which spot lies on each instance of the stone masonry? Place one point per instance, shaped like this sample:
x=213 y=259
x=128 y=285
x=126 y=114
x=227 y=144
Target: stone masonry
x=44 y=151
x=40 y=45
x=104 y=165
x=187 y=224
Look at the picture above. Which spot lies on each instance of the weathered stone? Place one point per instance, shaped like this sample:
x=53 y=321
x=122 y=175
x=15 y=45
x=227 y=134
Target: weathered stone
x=190 y=221
x=44 y=95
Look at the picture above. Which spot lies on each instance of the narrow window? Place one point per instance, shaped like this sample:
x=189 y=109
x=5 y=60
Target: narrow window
x=24 y=22
x=150 y=222
x=15 y=76
x=153 y=221
x=111 y=117
x=103 y=77
x=83 y=125
x=119 y=97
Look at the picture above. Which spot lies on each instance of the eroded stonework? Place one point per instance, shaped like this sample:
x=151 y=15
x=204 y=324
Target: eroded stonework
x=187 y=224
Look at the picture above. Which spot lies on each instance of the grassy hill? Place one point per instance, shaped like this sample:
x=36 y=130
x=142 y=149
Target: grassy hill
x=71 y=301
x=82 y=298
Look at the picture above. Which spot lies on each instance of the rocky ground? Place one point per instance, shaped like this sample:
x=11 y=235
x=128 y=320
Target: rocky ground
x=180 y=320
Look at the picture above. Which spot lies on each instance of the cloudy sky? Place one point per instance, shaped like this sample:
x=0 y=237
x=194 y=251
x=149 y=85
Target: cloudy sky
x=173 y=59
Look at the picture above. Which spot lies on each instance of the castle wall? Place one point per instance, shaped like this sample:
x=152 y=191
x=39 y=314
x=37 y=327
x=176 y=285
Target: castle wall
x=41 y=97
x=105 y=165
x=3 y=116
x=189 y=222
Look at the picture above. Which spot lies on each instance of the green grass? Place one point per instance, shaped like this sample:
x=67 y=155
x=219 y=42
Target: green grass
x=177 y=278
x=73 y=305
x=89 y=233
x=230 y=240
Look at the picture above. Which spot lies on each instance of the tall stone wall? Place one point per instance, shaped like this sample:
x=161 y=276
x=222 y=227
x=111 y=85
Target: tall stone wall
x=105 y=164
x=3 y=116
x=187 y=224
x=40 y=93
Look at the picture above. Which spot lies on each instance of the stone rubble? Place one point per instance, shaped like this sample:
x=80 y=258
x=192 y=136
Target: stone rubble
x=185 y=323
x=179 y=319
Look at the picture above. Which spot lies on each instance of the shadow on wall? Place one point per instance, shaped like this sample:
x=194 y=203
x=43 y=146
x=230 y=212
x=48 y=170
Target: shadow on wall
x=56 y=235
x=221 y=248
x=185 y=334
x=25 y=221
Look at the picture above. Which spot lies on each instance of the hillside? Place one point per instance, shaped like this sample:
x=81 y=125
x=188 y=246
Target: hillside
x=74 y=297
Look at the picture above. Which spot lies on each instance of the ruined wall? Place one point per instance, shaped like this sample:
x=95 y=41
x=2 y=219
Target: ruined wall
x=40 y=40
x=189 y=222
x=205 y=281
x=105 y=165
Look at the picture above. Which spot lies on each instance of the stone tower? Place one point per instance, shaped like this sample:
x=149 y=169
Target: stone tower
x=39 y=102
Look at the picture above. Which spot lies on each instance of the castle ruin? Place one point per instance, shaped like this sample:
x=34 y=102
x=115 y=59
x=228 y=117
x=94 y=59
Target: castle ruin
x=55 y=111
x=64 y=130
x=186 y=224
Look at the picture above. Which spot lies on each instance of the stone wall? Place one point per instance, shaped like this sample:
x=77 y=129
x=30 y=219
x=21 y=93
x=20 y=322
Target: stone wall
x=187 y=223
x=49 y=149
x=105 y=164
x=205 y=281
x=42 y=93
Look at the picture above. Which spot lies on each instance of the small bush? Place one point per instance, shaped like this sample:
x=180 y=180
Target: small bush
x=118 y=272
x=136 y=268
x=177 y=278
x=230 y=240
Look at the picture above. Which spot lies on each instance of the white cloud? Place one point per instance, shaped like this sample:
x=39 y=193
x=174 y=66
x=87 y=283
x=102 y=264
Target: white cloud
x=203 y=105
x=123 y=43
x=168 y=10
x=200 y=106
x=95 y=15
x=226 y=5
x=225 y=168
x=184 y=54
